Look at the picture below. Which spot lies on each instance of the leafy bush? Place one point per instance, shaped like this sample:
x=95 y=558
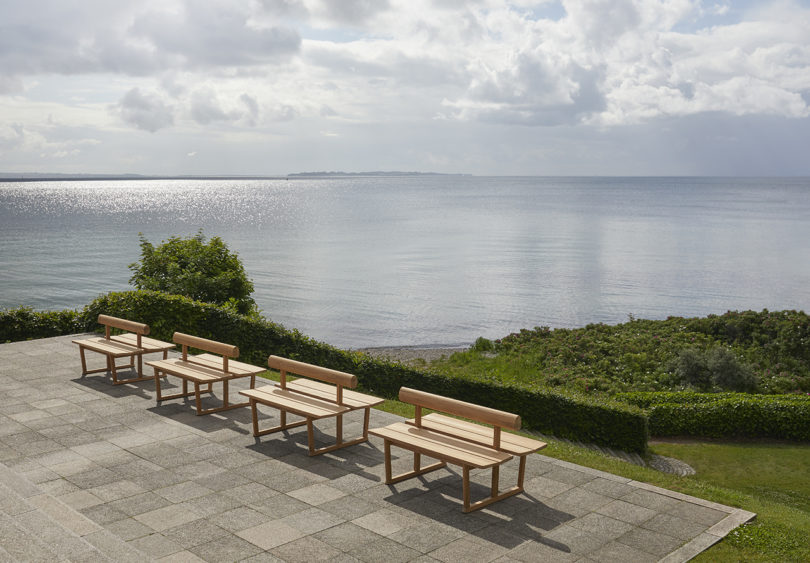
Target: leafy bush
x=723 y=415
x=483 y=345
x=202 y=271
x=727 y=372
x=642 y=355
x=24 y=323
x=718 y=367
x=693 y=369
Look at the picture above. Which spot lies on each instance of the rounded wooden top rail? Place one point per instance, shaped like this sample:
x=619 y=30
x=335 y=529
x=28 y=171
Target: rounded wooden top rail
x=123 y=324
x=460 y=408
x=308 y=370
x=220 y=348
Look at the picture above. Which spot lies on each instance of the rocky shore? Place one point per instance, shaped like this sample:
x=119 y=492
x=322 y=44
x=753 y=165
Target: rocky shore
x=412 y=354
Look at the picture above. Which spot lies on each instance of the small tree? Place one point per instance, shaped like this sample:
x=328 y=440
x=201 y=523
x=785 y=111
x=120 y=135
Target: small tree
x=191 y=267
x=717 y=367
x=692 y=368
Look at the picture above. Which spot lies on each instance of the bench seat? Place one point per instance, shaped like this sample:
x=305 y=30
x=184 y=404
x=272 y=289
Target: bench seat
x=323 y=396
x=295 y=403
x=510 y=443
x=460 y=442
x=352 y=399
x=203 y=369
x=448 y=448
x=134 y=344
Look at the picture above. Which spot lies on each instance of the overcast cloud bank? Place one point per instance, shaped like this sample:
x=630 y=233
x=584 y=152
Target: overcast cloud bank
x=485 y=87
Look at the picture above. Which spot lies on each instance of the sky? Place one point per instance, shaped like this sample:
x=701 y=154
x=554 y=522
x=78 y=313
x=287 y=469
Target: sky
x=484 y=87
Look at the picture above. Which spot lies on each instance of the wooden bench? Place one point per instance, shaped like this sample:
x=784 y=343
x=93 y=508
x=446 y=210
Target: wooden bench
x=313 y=400
x=203 y=369
x=132 y=343
x=450 y=440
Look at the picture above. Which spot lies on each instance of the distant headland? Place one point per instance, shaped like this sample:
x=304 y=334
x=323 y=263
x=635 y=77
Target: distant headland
x=337 y=174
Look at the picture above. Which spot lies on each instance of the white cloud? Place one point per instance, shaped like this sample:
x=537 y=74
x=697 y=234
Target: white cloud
x=205 y=108
x=251 y=109
x=288 y=70
x=12 y=136
x=353 y=13
x=147 y=111
x=136 y=38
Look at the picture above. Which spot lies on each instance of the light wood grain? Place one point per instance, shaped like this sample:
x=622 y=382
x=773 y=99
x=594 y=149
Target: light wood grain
x=460 y=408
x=316 y=395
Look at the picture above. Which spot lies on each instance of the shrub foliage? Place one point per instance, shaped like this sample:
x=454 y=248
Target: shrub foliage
x=765 y=352
x=204 y=271
x=723 y=415
x=24 y=323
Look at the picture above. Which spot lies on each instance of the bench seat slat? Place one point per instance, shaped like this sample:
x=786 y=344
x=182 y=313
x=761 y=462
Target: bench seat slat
x=511 y=443
x=108 y=347
x=353 y=399
x=147 y=344
x=188 y=370
x=234 y=367
x=448 y=448
x=296 y=403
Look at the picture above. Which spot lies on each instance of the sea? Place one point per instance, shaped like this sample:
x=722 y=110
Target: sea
x=428 y=260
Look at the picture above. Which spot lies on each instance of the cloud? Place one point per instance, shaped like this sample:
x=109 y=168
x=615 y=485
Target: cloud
x=146 y=111
x=12 y=136
x=205 y=108
x=10 y=85
x=137 y=38
x=614 y=62
x=252 y=109
x=284 y=71
x=352 y=13
x=203 y=33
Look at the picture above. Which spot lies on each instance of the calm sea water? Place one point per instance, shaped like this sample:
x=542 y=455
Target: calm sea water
x=375 y=261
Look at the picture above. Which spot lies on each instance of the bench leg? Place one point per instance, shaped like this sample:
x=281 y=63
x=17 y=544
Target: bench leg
x=495 y=494
x=339 y=442
x=226 y=404
x=417 y=469
x=113 y=369
x=284 y=425
x=159 y=396
x=279 y=428
x=140 y=377
x=84 y=362
x=111 y=365
x=108 y=367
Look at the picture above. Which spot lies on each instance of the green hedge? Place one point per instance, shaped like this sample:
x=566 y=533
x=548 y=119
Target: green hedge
x=24 y=324
x=724 y=415
x=605 y=422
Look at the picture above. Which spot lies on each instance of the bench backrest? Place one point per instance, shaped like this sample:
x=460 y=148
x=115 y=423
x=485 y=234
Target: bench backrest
x=139 y=329
x=123 y=324
x=339 y=378
x=498 y=419
x=225 y=350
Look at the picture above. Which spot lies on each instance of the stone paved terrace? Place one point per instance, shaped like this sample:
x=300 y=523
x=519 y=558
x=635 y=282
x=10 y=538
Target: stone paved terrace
x=95 y=472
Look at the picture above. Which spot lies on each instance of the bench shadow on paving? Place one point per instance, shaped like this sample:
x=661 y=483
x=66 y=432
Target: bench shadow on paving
x=105 y=473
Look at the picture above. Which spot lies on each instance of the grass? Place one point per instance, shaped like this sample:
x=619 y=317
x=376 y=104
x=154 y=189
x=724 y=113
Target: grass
x=774 y=472
x=768 y=479
x=772 y=479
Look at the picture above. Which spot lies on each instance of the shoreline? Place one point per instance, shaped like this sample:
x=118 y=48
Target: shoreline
x=412 y=354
